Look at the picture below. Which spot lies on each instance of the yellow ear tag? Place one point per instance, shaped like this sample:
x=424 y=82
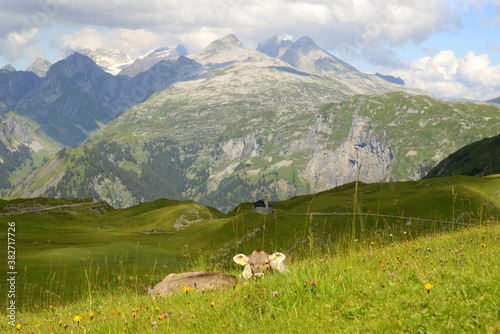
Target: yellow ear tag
x=267 y=265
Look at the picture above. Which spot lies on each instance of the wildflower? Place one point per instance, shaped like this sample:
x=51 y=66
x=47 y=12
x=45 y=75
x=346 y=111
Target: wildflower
x=392 y=274
x=60 y=322
x=77 y=318
x=91 y=315
x=275 y=293
x=313 y=283
x=186 y=289
x=165 y=315
x=134 y=314
x=368 y=271
x=118 y=309
x=318 y=295
x=189 y=302
x=212 y=304
x=483 y=245
x=19 y=326
x=429 y=286
x=124 y=329
x=51 y=307
x=154 y=323
x=157 y=308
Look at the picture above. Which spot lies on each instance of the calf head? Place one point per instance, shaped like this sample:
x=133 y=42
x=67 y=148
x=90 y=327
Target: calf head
x=257 y=263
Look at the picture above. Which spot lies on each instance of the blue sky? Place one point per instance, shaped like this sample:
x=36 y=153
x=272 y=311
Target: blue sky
x=450 y=48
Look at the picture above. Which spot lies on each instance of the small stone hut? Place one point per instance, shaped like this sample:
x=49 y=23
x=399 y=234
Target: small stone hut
x=263 y=206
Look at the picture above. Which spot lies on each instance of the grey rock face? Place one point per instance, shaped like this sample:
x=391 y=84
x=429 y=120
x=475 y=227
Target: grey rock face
x=40 y=67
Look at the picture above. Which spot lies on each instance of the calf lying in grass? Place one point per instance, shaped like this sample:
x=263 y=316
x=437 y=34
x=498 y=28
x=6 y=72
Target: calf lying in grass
x=256 y=264
x=199 y=280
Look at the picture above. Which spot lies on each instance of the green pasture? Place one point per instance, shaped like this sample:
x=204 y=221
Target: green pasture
x=60 y=251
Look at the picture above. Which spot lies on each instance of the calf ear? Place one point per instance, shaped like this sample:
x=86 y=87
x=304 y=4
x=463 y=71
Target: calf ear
x=277 y=257
x=241 y=259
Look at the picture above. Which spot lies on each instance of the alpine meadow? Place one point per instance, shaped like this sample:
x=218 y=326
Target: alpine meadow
x=275 y=189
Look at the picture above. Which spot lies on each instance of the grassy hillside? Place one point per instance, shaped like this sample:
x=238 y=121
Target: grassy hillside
x=445 y=282
x=57 y=250
x=476 y=159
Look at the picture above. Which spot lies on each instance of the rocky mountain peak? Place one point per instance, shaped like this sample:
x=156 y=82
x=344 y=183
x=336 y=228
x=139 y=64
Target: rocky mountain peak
x=111 y=61
x=225 y=43
x=274 y=46
x=73 y=65
x=305 y=42
x=144 y=63
x=303 y=54
x=40 y=67
x=8 y=68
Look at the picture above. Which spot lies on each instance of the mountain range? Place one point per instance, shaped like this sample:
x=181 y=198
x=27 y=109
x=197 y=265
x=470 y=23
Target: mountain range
x=226 y=125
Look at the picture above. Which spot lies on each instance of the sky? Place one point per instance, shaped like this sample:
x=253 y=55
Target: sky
x=450 y=48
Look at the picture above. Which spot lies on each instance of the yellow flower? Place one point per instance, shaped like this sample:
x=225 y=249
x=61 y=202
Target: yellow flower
x=77 y=318
x=157 y=308
x=60 y=322
x=91 y=315
x=429 y=286
x=212 y=303
x=118 y=309
x=19 y=326
x=186 y=289
x=134 y=314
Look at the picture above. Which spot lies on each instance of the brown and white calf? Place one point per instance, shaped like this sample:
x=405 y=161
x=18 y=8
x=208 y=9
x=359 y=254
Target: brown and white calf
x=257 y=263
x=199 y=280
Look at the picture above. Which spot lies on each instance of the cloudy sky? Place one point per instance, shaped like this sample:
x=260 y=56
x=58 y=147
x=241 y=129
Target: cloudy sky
x=448 y=47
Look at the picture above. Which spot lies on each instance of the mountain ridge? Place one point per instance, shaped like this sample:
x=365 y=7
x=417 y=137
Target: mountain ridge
x=231 y=122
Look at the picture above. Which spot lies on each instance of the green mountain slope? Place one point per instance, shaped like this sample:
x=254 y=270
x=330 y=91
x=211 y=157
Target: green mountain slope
x=227 y=153
x=476 y=159
x=24 y=146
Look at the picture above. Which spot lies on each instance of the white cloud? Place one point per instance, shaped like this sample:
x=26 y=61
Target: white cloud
x=360 y=24
x=446 y=75
x=20 y=44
